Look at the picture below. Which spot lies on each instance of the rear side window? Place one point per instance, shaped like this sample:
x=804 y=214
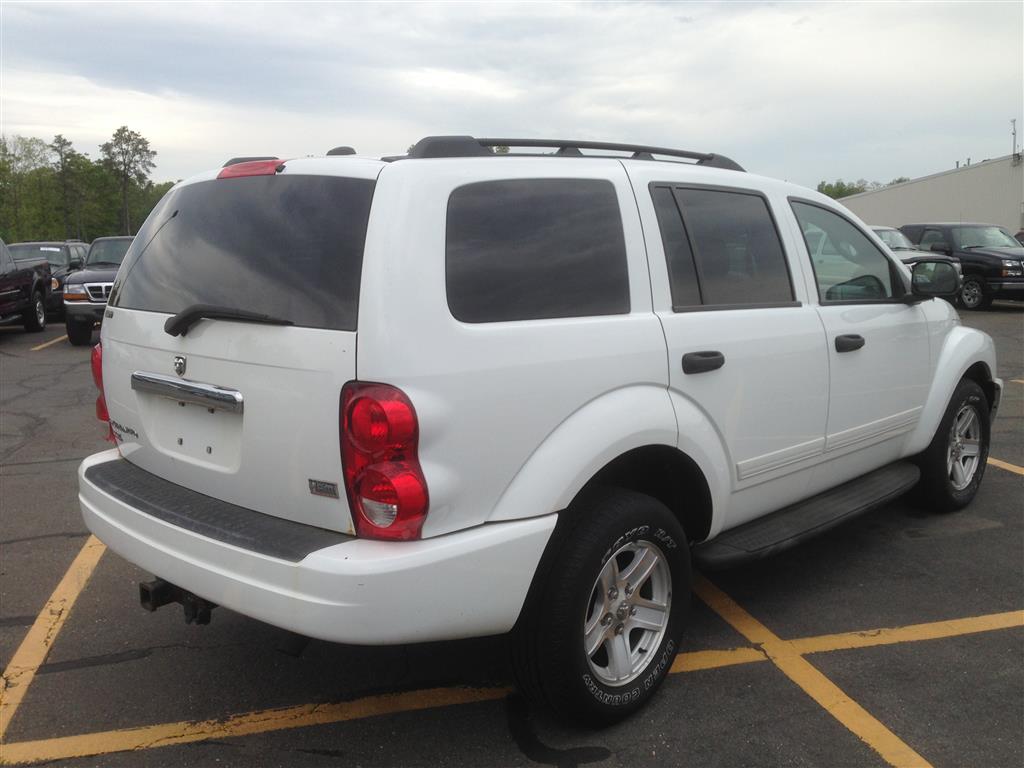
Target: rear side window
x=527 y=249
x=722 y=248
x=286 y=246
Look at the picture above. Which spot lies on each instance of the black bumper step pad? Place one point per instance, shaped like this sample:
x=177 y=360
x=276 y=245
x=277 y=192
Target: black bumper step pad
x=210 y=517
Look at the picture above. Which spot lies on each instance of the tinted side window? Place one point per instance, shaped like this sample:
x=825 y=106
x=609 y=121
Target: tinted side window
x=526 y=249
x=682 y=274
x=847 y=265
x=736 y=247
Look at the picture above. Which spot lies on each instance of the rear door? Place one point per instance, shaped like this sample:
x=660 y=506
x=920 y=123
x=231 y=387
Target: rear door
x=241 y=411
x=742 y=348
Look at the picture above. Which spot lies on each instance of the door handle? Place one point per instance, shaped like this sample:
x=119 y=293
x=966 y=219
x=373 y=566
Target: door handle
x=848 y=342
x=702 y=362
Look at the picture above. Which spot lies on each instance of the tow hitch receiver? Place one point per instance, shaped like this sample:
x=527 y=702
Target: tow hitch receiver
x=158 y=593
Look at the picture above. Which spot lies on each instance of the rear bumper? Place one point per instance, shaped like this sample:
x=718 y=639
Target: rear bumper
x=465 y=584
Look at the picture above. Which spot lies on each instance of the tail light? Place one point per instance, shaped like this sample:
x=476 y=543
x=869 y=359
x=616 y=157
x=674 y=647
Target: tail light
x=101 y=400
x=387 y=492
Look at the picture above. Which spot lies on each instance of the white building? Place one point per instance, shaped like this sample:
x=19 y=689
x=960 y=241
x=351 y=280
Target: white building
x=991 y=191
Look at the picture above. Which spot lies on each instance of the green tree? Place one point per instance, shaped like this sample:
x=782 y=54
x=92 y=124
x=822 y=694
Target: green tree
x=62 y=165
x=839 y=188
x=129 y=156
x=898 y=180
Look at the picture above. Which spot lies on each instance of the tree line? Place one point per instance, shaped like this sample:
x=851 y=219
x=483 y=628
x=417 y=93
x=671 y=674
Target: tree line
x=839 y=188
x=51 y=191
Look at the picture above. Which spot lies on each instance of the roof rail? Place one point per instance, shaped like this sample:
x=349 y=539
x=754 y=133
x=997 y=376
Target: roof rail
x=468 y=146
x=337 y=151
x=640 y=151
x=237 y=160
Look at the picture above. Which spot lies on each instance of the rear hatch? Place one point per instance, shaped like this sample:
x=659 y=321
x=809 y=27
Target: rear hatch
x=242 y=411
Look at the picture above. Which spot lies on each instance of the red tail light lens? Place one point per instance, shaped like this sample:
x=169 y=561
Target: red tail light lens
x=386 y=490
x=101 y=400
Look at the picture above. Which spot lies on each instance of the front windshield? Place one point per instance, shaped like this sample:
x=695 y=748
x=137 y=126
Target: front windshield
x=108 y=252
x=895 y=239
x=983 y=237
x=54 y=254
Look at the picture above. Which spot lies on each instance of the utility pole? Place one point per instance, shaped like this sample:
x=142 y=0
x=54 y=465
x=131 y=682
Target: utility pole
x=1013 y=130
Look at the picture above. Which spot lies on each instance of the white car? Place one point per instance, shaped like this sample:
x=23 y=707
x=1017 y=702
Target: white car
x=456 y=393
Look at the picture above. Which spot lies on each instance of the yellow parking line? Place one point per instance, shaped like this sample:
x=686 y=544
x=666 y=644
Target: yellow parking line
x=167 y=734
x=50 y=343
x=37 y=643
x=931 y=631
x=1006 y=465
x=844 y=709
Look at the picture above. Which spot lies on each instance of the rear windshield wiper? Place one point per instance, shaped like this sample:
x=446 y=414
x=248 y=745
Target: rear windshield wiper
x=189 y=316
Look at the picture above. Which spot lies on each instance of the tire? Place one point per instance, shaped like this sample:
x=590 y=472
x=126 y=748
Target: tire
x=951 y=471
x=974 y=294
x=79 y=334
x=34 y=318
x=581 y=592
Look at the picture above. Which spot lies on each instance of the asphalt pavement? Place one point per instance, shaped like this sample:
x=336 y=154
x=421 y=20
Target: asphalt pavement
x=897 y=639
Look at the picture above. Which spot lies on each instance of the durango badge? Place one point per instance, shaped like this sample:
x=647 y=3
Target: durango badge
x=323 y=488
x=179 y=365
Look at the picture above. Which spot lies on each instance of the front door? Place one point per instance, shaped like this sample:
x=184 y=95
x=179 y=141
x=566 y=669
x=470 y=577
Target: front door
x=878 y=349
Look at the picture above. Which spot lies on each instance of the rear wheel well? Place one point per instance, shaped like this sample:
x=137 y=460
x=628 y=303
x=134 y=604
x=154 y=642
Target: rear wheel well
x=667 y=474
x=980 y=373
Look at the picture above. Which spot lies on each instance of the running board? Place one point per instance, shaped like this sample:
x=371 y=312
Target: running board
x=791 y=525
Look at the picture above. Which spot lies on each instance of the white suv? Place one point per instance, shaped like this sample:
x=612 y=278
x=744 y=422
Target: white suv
x=459 y=393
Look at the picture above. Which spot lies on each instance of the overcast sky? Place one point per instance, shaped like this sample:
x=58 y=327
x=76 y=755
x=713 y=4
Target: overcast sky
x=802 y=91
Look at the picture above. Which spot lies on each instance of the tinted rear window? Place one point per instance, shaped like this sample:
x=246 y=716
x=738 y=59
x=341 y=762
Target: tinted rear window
x=54 y=254
x=526 y=249
x=286 y=246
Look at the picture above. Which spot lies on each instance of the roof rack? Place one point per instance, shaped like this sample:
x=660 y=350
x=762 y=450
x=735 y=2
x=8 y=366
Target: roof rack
x=237 y=160
x=468 y=146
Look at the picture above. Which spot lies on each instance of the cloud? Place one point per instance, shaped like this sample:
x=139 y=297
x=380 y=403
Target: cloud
x=802 y=91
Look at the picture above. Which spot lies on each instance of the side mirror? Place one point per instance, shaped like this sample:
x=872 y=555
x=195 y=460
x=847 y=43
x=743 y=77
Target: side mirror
x=934 y=278
x=75 y=263
x=942 y=248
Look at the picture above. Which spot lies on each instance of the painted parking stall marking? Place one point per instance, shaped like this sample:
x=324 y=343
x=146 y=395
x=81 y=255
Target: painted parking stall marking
x=49 y=343
x=40 y=638
x=787 y=655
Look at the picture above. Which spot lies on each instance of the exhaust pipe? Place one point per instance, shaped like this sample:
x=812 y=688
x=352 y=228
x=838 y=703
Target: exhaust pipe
x=158 y=593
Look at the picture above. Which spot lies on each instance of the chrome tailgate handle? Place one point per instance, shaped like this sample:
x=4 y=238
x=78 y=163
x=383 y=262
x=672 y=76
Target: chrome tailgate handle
x=184 y=391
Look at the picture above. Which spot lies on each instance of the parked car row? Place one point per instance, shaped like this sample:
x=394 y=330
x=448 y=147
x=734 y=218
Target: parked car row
x=989 y=258
x=77 y=276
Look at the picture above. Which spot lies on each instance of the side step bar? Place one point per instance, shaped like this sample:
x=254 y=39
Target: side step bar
x=793 y=524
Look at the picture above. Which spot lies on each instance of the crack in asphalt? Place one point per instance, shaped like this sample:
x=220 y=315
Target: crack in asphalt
x=65 y=535
x=135 y=654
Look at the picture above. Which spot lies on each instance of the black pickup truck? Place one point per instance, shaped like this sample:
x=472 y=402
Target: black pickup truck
x=991 y=260
x=24 y=290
